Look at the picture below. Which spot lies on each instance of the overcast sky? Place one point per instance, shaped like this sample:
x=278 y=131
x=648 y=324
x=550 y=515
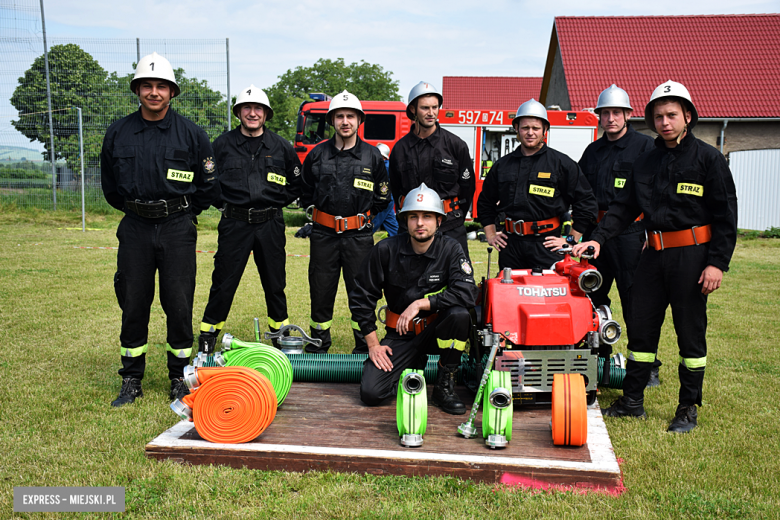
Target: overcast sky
x=415 y=40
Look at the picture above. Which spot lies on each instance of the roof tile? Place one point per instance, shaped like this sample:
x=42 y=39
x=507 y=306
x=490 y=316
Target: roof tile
x=490 y=92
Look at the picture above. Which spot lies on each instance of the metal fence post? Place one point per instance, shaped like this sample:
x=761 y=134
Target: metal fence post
x=227 y=57
x=81 y=152
x=51 y=121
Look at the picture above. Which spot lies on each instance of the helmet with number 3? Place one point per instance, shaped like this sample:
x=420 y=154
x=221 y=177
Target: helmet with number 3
x=674 y=91
x=252 y=94
x=422 y=198
x=345 y=100
x=154 y=66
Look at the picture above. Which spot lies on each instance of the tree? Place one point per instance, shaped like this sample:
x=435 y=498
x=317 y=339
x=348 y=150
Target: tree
x=78 y=80
x=369 y=82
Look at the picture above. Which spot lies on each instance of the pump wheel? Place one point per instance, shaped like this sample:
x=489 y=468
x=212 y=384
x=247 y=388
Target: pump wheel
x=569 y=410
x=592 y=397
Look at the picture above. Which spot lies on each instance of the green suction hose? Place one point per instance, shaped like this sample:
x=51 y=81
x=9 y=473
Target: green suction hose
x=412 y=408
x=340 y=368
x=616 y=373
x=497 y=410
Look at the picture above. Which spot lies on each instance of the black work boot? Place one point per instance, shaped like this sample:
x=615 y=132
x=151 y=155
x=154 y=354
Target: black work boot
x=653 y=381
x=178 y=389
x=207 y=342
x=131 y=388
x=444 y=395
x=626 y=407
x=684 y=419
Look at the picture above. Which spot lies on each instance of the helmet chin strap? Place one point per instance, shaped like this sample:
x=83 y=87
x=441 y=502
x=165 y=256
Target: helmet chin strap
x=682 y=134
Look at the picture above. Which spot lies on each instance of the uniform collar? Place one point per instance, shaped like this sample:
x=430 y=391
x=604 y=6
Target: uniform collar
x=354 y=151
x=165 y=124
x=432 y=252
x=620 y=143
x=519 y=152
x=241 y=139
x=686 y=142
x=432 y=139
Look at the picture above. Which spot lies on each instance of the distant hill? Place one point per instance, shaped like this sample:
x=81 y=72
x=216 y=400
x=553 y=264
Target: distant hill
x=19 y=153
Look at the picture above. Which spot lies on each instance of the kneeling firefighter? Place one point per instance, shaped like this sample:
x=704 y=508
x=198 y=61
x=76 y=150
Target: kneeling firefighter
x=428 y=283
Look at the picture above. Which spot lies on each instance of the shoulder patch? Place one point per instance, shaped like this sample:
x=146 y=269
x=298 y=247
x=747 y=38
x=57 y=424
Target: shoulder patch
x=209 y=165
x=466 y=174
x=465 y=266
x=384 y=189
x=297 y=171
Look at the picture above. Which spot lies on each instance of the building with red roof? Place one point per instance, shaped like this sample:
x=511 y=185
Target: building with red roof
x=488 y=92
x=729 y=63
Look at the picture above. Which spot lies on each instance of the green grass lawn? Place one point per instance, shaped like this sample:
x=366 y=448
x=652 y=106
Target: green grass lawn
x=59 y=328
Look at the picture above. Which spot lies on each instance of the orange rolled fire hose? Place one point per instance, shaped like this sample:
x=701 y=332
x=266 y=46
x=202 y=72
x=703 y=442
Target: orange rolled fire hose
x=232 y=404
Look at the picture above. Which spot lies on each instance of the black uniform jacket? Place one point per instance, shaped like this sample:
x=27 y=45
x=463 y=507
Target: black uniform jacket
x=345 y=183
x=149 y=163
x=443 y=274
x=442 y=162
x=537 y=187
x=678 y=188
x=269 y=178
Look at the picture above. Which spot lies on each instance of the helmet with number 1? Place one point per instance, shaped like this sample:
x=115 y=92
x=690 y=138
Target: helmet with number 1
x=532 y=108
x=345 y=100
x=384 y=150
x=674 y=92
x=154 y=66
x=422 y=198
x=252 y=94
x=613 y=97
x=422 y=89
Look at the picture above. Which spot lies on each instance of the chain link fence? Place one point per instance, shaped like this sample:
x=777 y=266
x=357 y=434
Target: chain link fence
x=94 y=75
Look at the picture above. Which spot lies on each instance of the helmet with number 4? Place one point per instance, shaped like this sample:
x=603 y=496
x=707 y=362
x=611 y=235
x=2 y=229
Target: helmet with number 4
x=252 y=94
x=422 y=89
x=532 y=108
x=675 y=92
x=613 y=97
x=154 y=66
x=345 y=100
x=422 y=198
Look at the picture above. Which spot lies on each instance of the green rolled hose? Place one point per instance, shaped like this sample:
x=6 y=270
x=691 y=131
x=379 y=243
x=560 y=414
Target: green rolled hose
x=266 y=359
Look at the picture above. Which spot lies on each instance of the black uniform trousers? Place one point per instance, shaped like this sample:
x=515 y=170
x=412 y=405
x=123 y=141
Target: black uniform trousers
x=526 y=253
x=330 y=254
x=409 y=351
x=237 y=239
x=663 y=278
x=459 y=234
x=144 y=248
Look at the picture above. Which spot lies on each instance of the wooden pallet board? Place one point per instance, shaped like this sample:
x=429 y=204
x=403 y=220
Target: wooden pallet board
x=323 y=426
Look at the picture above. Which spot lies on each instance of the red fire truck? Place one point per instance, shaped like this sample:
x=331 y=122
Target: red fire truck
x=488 y=133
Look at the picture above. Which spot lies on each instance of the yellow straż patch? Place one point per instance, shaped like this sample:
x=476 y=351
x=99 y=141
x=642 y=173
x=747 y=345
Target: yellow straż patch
x=276 y=178
x=544 y=191
x=364 y=185
x=619 y=183
x=690 y=189
x=179 y=175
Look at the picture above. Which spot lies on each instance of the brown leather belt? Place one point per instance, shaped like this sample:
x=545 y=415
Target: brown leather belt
x=660 y=240
x=419 y=324
x=533 y=227
x=603 y=212
x=341 y=224
x=158 y=208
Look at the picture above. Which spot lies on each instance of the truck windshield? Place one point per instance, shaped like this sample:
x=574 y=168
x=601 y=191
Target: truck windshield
x=316 y=128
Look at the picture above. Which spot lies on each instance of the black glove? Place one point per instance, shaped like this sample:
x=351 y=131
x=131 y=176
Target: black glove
x=305 y=231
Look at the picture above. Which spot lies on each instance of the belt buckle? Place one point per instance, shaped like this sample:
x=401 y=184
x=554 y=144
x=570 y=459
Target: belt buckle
x=693 y=232
x=251 y=212
x=661 y=238
x=165 y=206
x=514 y=227
x=365 y=221
x=338 y=224
x=186 y=203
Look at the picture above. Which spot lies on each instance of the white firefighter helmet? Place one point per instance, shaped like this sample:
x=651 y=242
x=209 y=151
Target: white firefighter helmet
x=422 y=198
x=422 y=89
x=345 y=100
x=384 y=150
x=613 y=97
x=674 y=90
x=154 y=66
x=252 y=94
x=531 y=108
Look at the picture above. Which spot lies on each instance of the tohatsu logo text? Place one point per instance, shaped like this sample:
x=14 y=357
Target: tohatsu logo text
x=542 y=291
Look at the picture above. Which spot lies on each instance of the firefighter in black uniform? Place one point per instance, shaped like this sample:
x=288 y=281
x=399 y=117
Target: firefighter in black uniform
x=533 y=186
x=606 y=164
x=429 y=286
x=685 y=190
x=440 y=159
x=158 y=168
x=345 y=185
x=259 y=174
